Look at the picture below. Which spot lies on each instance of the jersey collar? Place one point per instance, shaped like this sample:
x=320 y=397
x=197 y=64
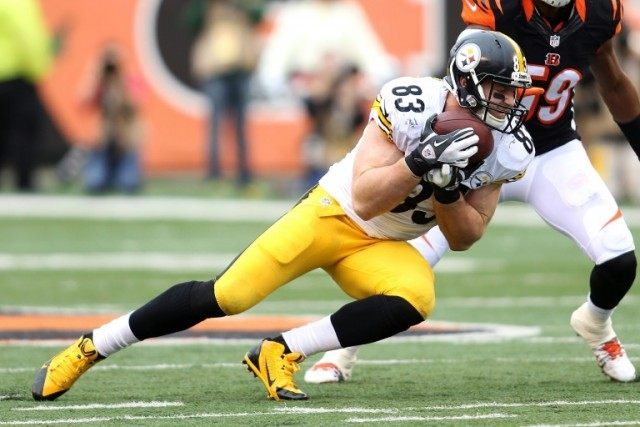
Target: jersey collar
x=580 y=6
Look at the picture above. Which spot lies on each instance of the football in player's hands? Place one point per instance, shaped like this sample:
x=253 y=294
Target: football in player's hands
x=449 y=121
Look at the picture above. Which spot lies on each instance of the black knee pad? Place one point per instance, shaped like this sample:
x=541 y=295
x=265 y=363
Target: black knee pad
x=372 y=319
x=611 y=280
x=176 y=309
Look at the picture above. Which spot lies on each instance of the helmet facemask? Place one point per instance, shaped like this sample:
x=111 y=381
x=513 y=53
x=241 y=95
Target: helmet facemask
x=505 y=118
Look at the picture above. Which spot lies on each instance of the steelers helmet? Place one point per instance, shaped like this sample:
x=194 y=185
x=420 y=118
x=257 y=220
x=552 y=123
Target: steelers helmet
x=479 y=55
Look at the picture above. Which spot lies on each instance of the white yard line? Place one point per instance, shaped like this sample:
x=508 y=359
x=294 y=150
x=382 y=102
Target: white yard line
x=417 y=418
x=167 y=261
x=593 y=424
x=477 y=405
x=202 y=209
x=348 y=410
x=61 y=310
x=10 y=396
x=124 y=405
x=228 y=415
x=164 y=261
x=141 y=208
x=56 y=421
x=480 y=405
x=140 y=418
x=321 y=410
x=368 y=362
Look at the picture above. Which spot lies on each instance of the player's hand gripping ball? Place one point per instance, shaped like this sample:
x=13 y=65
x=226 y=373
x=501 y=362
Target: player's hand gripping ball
x=449 y=121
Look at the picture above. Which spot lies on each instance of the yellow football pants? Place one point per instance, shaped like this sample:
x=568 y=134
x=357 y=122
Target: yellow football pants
x=317 y=233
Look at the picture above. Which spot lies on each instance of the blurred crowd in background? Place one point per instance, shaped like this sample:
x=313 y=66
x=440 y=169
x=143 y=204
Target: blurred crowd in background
x=322 y=55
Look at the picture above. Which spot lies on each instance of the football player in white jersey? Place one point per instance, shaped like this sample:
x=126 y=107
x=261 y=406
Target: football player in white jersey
x=400 y=180
x=561 y=40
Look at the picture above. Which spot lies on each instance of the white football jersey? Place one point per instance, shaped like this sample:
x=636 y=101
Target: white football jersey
x=401 y=110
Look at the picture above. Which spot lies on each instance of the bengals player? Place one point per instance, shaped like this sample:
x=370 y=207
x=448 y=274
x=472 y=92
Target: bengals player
x=562 y=40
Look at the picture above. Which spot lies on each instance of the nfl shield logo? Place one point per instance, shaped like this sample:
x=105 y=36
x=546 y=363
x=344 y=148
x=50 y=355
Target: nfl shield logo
x=554 y=41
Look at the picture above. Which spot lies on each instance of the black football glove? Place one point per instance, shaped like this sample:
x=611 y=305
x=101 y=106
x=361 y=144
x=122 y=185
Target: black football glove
x=434 y=150
x=449 y=177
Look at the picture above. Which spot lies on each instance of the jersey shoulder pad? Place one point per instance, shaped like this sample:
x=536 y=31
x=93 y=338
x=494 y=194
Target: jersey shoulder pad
x=605 y=15
x=403 y=105
x=515 y=152
x=487 y=13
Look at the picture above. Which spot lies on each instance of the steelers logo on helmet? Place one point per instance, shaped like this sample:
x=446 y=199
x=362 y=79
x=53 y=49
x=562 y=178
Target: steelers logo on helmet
x=468 y=57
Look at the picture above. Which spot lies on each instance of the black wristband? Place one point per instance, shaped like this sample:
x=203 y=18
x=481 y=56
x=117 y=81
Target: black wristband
x=445 y=197
x=417 y=165
x=631 y=131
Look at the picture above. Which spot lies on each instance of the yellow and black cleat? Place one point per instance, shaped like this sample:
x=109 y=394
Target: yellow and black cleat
x=58 y=374
x=269 y=363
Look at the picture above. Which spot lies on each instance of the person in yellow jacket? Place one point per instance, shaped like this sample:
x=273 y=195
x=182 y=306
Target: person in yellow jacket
x=25 y=52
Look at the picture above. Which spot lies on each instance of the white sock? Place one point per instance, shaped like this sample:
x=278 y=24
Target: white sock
x=431 y=246
x=599 y=314
x=312 y=338
x=346 y=353
x=114 y=336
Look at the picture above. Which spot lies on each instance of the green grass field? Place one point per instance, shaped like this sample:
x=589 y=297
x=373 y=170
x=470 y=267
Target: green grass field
x=525 y=276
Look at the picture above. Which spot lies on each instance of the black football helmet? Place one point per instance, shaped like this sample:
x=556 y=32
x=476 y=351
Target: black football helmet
x=479 y=55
